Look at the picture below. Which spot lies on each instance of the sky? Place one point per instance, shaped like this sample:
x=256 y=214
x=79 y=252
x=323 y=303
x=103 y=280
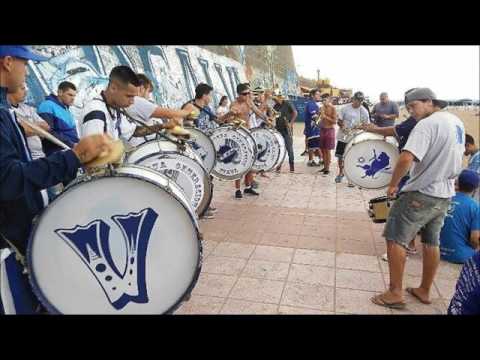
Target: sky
x=452 y=72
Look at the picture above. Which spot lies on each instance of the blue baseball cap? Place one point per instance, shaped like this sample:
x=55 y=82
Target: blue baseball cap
x=469 y=177
x=21 y=52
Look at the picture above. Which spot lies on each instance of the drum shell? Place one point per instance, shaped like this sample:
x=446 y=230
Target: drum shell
x=379 y=208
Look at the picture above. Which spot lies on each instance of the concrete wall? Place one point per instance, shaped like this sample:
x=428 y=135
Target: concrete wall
x=176 y=70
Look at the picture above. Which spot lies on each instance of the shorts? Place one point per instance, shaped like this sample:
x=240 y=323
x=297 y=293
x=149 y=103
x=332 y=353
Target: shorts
x=413 y=212
x=314 y=143
x=327 y=139
x=340 y=150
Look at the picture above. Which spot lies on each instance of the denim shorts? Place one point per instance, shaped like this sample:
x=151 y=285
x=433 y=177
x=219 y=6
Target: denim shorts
x=413 y=212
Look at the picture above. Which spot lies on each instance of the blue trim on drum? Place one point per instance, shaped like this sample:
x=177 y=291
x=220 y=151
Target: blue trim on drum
x=33 y=280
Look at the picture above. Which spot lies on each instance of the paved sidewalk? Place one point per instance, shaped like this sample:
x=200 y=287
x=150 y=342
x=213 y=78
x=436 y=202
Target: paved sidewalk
x=304 y=246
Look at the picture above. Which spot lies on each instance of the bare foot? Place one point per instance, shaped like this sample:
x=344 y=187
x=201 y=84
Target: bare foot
x=390 y=300
x=420 y=294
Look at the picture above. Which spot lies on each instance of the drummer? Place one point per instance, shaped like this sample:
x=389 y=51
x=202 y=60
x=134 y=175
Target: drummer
x=206 y=120
x=105 y=114
x=146 y=110
x=22 y=179
x=351 y=115
x=244 y=107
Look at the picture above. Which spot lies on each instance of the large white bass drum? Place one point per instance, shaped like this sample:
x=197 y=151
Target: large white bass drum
x=370 y=160
x=203 y=147
x=121 y=242
x=269 y=149
x=236 y=152
x=179 y=164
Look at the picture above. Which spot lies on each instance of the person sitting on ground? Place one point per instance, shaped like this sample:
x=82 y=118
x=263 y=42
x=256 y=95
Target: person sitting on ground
x=459 y=238
x=466 y=299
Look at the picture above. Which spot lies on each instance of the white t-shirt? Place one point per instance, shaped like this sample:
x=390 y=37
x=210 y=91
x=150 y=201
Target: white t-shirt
x=222 y=110
x=351 y=117
x=34 y=142
x=438 y=142
x=97 y=118
x=142 y=109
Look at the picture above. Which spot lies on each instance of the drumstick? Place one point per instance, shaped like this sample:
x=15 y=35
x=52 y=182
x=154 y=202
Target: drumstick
x=45 y=134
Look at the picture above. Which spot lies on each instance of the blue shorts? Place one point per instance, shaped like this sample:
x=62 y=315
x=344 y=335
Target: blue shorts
x=314 y=144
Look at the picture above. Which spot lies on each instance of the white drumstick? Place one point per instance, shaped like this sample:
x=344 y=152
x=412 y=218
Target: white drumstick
x=46 y=134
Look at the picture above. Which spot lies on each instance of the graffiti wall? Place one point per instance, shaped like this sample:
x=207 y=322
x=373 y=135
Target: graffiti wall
x=176 y=70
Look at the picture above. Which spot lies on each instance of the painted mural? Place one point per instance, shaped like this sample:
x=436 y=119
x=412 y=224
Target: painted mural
x=176 y=70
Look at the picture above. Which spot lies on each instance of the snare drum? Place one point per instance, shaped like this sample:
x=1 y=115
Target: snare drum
x=269 y=149
x=379 y=208
x=203 y=146
x=236 y=152
x=122 y=242
x=370 y=160
x=184 y=167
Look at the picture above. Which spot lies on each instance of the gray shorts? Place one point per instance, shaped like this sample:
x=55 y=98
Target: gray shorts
x=413 y=212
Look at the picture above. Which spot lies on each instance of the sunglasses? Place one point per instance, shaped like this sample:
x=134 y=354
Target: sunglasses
x=245 y=94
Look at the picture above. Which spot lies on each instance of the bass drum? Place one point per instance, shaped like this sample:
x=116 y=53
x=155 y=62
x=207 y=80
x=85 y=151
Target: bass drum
x=268 y=149
x=182 y=166
x=203 y=147
x=236 y=152
x=370 y=160
x=283 y=149
x=129 y=245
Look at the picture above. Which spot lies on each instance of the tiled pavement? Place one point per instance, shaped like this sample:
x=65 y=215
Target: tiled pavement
x=304 y=246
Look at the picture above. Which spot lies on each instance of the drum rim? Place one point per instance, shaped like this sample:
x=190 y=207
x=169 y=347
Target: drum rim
x=211 y=142
x=207 y=183
x=31 y=273
x=247 y=134
x=279 y=146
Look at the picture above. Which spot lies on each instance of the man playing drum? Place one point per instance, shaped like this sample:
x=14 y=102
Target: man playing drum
x=244 y=107
x=22 y=180
x=350 y=116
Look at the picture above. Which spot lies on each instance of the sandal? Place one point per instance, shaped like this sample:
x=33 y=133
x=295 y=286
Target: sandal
x=412 y=292
x=378 y=300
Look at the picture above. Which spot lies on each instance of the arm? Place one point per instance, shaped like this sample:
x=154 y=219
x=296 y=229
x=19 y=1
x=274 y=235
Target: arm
x=385 y=131
x=161 y=112
x=257 y=111
x=142 y=131
x=475 y=239
x=403 y=165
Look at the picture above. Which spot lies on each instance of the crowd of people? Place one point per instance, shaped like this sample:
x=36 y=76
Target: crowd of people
x=436 y=198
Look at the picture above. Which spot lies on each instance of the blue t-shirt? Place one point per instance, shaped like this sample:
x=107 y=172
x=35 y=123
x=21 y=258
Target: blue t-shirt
x=311 y=129
x=474 y=162
x=462 y=218
x=403 y=130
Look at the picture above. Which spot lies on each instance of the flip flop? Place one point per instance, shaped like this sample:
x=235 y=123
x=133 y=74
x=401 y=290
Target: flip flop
x=411 y=292
x=377 y=300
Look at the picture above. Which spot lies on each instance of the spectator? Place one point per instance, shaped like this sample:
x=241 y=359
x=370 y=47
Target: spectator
x=312 y=130
x=459 y=237
x=55 y=111
x=223 y=106
x=328 y=116
x=385 y=112
x=284 y=125
x=474 y=162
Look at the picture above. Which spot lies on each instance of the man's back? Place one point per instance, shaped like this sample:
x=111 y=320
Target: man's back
x=463 y=217
x=438 y=143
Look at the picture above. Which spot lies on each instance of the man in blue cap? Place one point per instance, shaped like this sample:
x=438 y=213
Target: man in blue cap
x=22 y=179
x=459 y=238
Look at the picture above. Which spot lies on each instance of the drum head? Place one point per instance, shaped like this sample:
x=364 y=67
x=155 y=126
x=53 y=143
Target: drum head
x=121 y=244
x=369 y=161
x=283 y=149
x=236 y=152
x=203 y=146
x=187 y=173
x=268 y=149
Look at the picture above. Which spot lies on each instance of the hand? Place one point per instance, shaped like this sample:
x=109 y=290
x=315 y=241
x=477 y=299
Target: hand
x=28 y=130
x=90 y=147
x=392 y=191
x=367 y=127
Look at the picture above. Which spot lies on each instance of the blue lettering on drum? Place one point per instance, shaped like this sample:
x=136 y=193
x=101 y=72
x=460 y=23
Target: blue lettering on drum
x=92 y=244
